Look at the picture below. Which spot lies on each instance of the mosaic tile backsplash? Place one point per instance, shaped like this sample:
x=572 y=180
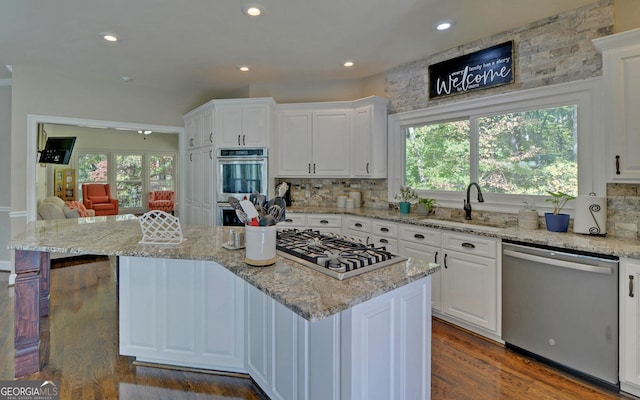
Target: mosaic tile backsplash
x=623 y=202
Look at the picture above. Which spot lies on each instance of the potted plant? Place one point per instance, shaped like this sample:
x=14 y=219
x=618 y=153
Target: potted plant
x=406 y=196
x=425 y=206
x=556 y=221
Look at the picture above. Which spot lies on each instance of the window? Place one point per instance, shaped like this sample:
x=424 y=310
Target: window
x=129 y=180
x=161 y=175
x=92 y=168
x=517 y=146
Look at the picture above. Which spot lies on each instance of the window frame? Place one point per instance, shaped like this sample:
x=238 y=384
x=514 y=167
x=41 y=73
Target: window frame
x=591 y=168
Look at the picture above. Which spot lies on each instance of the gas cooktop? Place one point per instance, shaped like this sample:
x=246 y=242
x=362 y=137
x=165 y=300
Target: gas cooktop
x=334 y=255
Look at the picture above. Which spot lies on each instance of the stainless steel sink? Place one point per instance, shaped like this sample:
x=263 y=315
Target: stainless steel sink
x=465 y=225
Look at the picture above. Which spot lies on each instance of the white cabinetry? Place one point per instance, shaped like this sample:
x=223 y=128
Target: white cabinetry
x=424 y=243
x=630 y=325
x=244 y=122
x=380 y=349
x=331 y=223
x=199 y=127
x=621 y=86
x=312 y=142
x=470 y=280
x=181 y=312
x=466 y=290
x=377 y=232
x=199 y=179
x=369 y=138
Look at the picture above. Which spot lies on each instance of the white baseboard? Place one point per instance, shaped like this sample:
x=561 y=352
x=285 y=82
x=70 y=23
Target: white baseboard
x=12 y=279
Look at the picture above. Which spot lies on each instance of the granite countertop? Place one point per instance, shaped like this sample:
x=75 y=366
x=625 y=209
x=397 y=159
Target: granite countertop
x=310 y=294
x=619 y=247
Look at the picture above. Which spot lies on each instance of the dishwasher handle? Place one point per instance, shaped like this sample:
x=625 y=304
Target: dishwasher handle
x=559 y=263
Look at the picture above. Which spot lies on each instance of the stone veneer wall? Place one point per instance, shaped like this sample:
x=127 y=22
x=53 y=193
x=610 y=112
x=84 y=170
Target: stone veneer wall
x=553 y=50
x=623 y=210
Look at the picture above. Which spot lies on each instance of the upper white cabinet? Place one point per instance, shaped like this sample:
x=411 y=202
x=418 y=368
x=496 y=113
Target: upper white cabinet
x=621 y=87
x=244 y=122
x=369 y=138
x=338 y=139
x=199 y=127
x=313 y=142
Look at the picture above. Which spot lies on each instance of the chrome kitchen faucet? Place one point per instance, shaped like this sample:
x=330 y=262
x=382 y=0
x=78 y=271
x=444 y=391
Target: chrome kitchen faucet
x=467 y=202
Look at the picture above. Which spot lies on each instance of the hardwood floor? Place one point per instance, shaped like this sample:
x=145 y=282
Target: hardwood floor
x=83 y=355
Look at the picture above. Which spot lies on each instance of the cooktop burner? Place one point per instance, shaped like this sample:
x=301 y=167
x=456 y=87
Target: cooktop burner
x=333 y=255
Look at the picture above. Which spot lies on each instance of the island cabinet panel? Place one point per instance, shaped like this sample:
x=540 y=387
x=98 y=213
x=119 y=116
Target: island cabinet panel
x=181 y=312
x=380 y=349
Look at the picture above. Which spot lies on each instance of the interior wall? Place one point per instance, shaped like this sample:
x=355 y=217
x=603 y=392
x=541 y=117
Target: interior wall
x=627 y=14
x=36 y=91
x=104 y=140
x=5 y=175
x=310 y=91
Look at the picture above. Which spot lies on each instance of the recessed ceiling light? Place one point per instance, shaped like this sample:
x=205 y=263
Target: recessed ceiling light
x=253 y=10
x=145 y=132
x=109 y=37
x=127 y=79
x=444 y=25
x=244 y=68
x=348 y=63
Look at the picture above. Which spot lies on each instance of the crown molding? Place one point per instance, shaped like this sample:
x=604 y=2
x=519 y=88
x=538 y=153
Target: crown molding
x=5 y=82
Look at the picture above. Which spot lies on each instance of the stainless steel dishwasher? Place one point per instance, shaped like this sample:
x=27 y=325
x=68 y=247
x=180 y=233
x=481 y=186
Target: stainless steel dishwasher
x=562 y=307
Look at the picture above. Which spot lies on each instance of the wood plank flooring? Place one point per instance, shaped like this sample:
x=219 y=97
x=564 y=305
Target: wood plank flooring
x=83 y=355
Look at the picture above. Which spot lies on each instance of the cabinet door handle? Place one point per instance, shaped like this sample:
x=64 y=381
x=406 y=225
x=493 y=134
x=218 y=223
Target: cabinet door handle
x=314 y=168
x=384 y=241
x=288 y=220
x=210 y=156
x=630 y=285
x=617 y=165
x=324 y=221
x=243 y=139
x=383 y=229
x=418 y=236
x=435 y=257
x=238 y=140
x=191 y=142
x=191 y=157
x=309 y=167
x=468 y=245
x=367 y=168
x=211 y=137
x=358 y=225
x=445 y=260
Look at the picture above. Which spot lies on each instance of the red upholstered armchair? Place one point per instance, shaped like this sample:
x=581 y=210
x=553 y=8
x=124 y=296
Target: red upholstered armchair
x=97 y=197
x=162 y=200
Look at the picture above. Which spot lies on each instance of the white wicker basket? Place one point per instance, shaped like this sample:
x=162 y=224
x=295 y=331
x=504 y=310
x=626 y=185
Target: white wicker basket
x=159 y=227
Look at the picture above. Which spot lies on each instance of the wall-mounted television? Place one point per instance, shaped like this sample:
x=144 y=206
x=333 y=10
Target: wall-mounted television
x=57 y=150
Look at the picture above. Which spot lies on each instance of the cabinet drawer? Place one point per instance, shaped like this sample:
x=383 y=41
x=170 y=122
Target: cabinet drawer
x=357 y=224
x=420 y=235
x=324 y=221
x=293 y=220
x=386 y=229
x=391 y=245
x=470 y=244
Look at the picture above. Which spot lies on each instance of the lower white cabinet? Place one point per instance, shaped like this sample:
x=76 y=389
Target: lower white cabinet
x=470 y=280
x=181 y=312
x=466 y=290
x=328 y=223
x=380 y=349
x=630 y=325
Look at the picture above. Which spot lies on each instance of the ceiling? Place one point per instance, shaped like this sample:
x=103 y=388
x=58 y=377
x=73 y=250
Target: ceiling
x=196 y=45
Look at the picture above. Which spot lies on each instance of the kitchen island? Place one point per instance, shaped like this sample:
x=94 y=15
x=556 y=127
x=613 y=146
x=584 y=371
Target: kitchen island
x=296 y=332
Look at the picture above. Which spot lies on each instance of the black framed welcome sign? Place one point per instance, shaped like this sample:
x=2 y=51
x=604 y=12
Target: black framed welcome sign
x=482 y=69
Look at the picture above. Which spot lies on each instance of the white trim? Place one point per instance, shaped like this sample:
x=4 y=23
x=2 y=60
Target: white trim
x=32 y=133
x=5 y=82
x=591 y=169
x=17 y=214
x=5 y=265
x=5 y=209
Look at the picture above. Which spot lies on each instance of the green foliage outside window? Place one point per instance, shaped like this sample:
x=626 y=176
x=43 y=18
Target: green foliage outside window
x=524 y=153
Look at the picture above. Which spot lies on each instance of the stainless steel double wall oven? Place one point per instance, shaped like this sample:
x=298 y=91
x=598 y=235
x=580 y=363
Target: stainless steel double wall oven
x=240 y=172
